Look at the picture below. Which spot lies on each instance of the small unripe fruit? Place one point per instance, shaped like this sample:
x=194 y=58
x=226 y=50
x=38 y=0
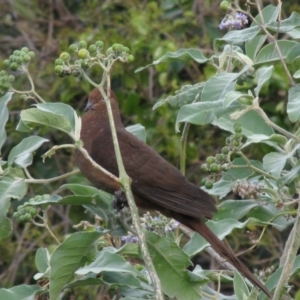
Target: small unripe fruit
x=126 y=49
x=117 y=47
x=228 y=141
x=13 y=58
x=225 y=150
x=109 y=51
x=25 y=49
x=33 y=211
x=26 y=58
x=14 y=66
x=238 y=135
x=210 y=160
x=16 y=215
x=17 y=52
x=5 y=86
x=219 y=157
x=73 y=48
x=236 y=143
x=20 y=60
x=6 y=63
x=27 y=217
x=3 y=73
x=65 y=56
x=59 y=62
x=203 y=181
x=83 y=53
x=130 y=58
x=11 y=78
x=204 y=167
x=237 y=125
x=31 y=54
x=238 y=129
x=4 y=79
x=92 y=48
x=82 y=44
x=209 y=185
x=214 y=168
x=58 y=69
x=99 y=44
x=224 y=5
x=23 y=97
x=21 y=218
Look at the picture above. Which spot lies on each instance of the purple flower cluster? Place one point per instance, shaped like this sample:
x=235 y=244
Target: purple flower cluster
x=129 y=239
x=235 y=20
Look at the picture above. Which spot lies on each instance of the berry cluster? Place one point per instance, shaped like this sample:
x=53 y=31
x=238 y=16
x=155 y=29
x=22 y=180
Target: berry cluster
x=18 y=61
x=89 y=56
x=221 y=161
x=27 y=212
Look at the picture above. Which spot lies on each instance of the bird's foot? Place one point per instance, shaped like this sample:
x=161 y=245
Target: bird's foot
x=119 y=201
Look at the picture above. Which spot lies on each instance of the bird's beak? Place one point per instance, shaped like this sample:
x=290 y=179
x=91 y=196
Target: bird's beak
x=88 y=106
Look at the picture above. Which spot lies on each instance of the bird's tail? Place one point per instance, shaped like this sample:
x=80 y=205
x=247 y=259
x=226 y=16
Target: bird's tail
x=200 y=227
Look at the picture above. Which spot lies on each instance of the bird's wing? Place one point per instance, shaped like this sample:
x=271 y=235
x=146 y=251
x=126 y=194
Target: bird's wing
x=156 y=180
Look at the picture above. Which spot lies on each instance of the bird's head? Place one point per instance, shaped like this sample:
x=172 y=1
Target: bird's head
x=97 y=102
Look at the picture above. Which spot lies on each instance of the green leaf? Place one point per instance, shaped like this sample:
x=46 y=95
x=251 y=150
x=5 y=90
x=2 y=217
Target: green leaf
x=9 y=188
x=237 y=36
x=291 y=175
x=109 y=262
x=138 y=130
x=42 y=262
x=170 y=264
x=67 y=258
x=4 y=117
x=20 y=292
x=286 y=25
x=180 y=55
x=294 y=33
x=269 y=54
x=185 y=95
x=22 y=153
x=262 y=76
x=240 y=286
x=253 y=46
x=234 y=96
x=294 y=103
x=234 y=209
x=274 y=162
x=297 y=74
x=293 y=54
x=56 y=121
x=272 y=140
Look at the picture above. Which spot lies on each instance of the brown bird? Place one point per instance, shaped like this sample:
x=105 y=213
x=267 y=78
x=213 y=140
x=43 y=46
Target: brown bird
x=156 y=184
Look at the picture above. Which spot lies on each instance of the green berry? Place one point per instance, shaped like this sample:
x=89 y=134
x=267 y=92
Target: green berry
x=14 y=66
x=33 y=211
x=4 y=79
x=126 y=49
x=58 y=69
x=5 y=86
x=84 y=65
x=214 y=168
x=13 y=58
x=203 y=181
x=65 y=56
x=11 y=78
x=204 y=167
x=16 y=215
x=83 y=53
x=225 y=150
x=109 y=51
x=224 y=5
x=238 y=129
x=99 y=44
x=117 y=47
x=23 y=97
x=93 y=48
x=75 y=72
x=228 y=141
x=130 y=58
x=20 y=60
x=209 y=185
x=26 y=58
x=22 y=218
x=237 y=125
x=6 y=63
x=82 y=44
x=219 y=157
x=238 y=135
x=27 y=217
x=59 y=62
x=73 y=48
x=19 y=208
x=3 y=73
x=31 y=54
x=25 y=49
x=17 y=52
x=236 y=143
x=210 y=160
